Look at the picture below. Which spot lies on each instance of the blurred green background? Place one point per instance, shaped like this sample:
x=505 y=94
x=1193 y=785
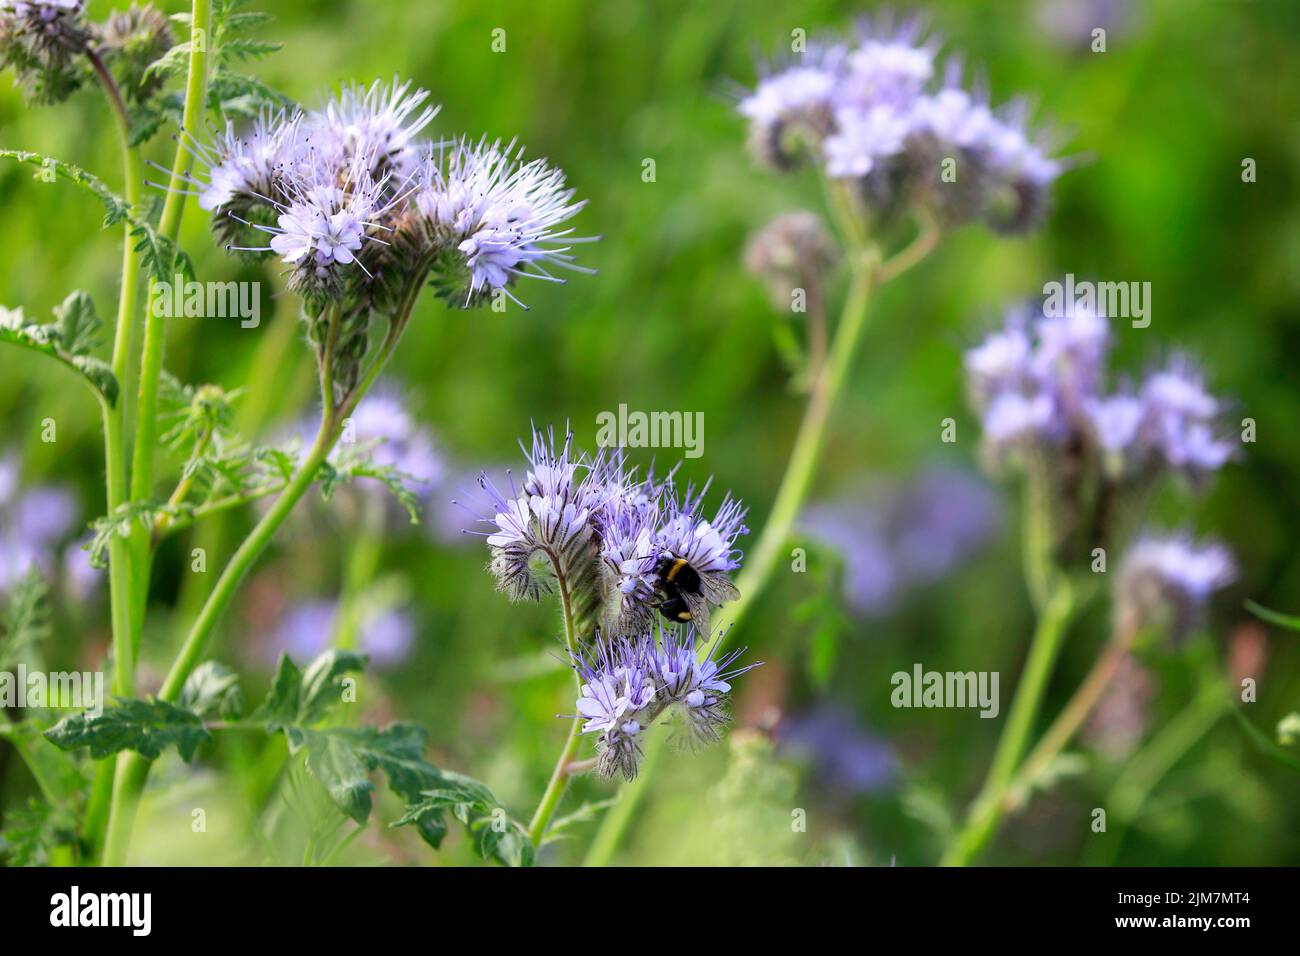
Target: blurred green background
x=1163 y=119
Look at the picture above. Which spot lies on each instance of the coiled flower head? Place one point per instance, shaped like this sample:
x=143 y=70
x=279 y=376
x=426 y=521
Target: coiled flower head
x=42 y=40
x=132 y=40
x=363 y=210
x=622 y=543
x=492 y=218
x=544 y=527
x=874 y=112
x=1040 y=386
x=627 y=683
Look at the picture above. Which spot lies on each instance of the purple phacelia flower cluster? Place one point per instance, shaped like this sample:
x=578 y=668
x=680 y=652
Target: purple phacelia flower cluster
x=877 y=112
x=637 y=544
x=362 y=208
x=620 y=548
x=43 y=40
x=902 y=537
x=1042 y=388
x=1167 y=581
x=627 y=683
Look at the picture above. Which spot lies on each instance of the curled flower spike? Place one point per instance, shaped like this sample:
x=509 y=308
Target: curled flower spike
x=544 y=528
x=381 y=122
x=363 y=210
x=1040 y=382
x=133 y=39
x=626 y=547
x=1168 y=580
x=42 y=40
x=1040 y=386
x=495 y=217
x=793 y=251
x=628 y=683
x=872 y=113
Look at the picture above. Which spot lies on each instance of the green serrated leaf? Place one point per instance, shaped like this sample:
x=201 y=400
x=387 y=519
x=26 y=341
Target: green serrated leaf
x=33 y=832
x=495 y=834
x=77 y=323
x=302 y=698
x=48 y=340
x=146 y=726
x=159 y=255
x=213 y=689
x=342 y=758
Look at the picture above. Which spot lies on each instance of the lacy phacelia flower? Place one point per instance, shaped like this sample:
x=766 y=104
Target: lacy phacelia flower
x=627 y=547
x=709 y=551
x=496 y=218
x=1040 y=386
x=363 y=209
x=544 y=527
x=1167 y=581
x=791 y=109
x=1039 y=383
x=871 y=113
x=628 y=683
x=43 y=40
x=380 y=122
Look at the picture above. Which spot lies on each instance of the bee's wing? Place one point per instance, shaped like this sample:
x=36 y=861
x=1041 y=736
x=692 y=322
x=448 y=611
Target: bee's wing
x=698 y=605
x=718 y=589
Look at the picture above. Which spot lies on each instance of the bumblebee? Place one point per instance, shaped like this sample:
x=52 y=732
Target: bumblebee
x=682 y=591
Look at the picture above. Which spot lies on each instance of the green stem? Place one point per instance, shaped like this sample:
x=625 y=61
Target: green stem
x=169 y=224
x=986 y=812
x=133 y=771
x=1072 y=716
x=560 y=774
x=115 y=480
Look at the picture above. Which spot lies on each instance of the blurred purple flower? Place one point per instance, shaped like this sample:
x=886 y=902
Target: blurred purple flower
x=33 y=523
x=846 y=758
x=307 y=629
x=905 y=536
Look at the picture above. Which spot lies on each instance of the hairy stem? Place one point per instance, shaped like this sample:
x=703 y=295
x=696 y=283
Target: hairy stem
x=115 y=455
x=133 y=771
x=987 y=810
x=560 y=774
x=169 y=224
